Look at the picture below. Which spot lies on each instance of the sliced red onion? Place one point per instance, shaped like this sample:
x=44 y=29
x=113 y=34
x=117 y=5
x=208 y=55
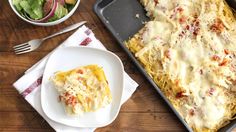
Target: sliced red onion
x=48 y=16
x=47 y=7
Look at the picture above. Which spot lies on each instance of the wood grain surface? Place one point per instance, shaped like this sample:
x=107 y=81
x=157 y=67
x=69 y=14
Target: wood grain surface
x=144 y=111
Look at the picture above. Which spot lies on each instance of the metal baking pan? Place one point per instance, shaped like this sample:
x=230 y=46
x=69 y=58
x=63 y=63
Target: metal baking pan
x=124 y=18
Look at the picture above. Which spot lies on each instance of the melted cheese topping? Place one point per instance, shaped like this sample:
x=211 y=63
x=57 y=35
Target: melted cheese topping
x=83 y=89
x=191 y=45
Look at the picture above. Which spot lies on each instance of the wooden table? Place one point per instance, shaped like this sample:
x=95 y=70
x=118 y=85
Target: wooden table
x=144 y=111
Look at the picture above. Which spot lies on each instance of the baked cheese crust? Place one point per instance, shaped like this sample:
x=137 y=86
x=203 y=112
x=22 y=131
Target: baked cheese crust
x=189 y=50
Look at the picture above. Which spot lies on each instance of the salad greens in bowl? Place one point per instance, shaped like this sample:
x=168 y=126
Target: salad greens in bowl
x=44 y=12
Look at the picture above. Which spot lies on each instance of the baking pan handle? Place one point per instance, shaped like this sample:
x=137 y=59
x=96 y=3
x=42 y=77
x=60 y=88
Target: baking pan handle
x=98 y=1
x=102 y=3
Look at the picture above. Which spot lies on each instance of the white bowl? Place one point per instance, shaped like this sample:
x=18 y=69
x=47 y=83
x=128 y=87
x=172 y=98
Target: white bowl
x=46 y=23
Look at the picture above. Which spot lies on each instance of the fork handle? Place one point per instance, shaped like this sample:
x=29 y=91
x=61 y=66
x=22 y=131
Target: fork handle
x=67 y=29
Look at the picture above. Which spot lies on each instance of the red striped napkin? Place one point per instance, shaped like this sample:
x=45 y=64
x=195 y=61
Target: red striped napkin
x=29 y=84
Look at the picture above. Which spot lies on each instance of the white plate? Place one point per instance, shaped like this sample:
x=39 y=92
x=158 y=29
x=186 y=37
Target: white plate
x=68 y=58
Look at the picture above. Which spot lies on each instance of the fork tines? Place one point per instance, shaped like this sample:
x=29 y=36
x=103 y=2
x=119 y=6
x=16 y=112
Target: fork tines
x=22 y=48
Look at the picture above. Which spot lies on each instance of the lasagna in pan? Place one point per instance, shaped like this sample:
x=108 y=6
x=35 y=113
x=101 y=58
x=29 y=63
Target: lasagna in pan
x=189 y=50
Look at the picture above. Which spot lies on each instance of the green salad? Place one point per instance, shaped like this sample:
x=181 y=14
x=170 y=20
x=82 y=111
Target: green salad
x=43 y=10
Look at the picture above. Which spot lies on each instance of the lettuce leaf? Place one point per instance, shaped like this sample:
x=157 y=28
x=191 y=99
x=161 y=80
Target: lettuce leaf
x=60 y=12
x=34 y=8
x=16 y=3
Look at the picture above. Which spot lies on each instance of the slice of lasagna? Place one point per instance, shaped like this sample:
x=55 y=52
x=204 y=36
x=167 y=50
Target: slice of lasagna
x=189 y=50
x=84 y=89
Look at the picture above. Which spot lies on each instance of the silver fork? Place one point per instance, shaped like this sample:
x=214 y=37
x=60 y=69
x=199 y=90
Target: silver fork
x=35 y=43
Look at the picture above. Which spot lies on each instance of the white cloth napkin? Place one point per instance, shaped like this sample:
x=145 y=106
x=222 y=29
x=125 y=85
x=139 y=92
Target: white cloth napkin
x=29 y=84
